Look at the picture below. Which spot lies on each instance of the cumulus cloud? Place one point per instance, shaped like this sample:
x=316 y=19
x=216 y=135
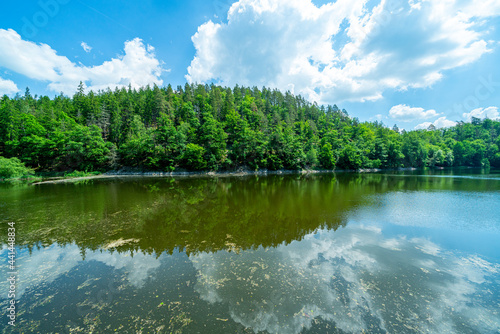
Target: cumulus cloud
x=7 y=87
x=404 y=113
x=344 y=50
x=86 y=47
x=490 y=112
x=485 y=8
x=138 y=66
x=441 y=122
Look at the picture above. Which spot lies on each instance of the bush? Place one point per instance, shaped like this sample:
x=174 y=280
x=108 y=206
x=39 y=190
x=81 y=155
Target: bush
x=13 y=168
x=81 y=174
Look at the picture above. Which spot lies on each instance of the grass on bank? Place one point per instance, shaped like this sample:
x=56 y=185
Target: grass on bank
x=81 y=174
x=12 y=170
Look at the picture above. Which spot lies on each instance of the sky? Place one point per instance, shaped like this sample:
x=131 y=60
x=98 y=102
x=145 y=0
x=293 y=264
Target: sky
x=407 y=62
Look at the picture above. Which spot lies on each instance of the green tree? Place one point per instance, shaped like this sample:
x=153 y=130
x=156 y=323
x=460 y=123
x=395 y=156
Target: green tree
x=326 y=157
x=213 y=138
x=193 y=157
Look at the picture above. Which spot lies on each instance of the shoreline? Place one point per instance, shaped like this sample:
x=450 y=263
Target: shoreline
x=238 y=173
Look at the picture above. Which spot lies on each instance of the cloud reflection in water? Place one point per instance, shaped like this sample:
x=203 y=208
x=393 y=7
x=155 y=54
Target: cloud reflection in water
x=44 y=266
x=355 y=279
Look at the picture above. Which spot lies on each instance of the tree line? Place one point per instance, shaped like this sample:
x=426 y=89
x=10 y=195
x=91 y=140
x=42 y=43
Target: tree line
x=208 y=127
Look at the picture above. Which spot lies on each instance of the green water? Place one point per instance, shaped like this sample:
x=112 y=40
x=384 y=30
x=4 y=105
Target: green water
x=407 y=252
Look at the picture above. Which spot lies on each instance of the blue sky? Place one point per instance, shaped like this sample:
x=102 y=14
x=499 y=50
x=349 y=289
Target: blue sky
x=412 y=63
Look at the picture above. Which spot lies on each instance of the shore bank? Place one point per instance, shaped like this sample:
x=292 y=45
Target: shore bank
x=119 y=174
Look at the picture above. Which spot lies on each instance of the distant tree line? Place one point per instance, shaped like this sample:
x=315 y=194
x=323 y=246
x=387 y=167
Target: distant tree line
x=209 y=127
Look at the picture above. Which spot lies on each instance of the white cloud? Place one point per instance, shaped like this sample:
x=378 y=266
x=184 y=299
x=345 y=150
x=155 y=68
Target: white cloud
x=377 y=117
x=138 y=66
x=344 y=50
x=484 y=8
x=423 y=126
x=404 y=113
x=86 y=47
x=7 y=87
x=441 y=122
x=490 y=112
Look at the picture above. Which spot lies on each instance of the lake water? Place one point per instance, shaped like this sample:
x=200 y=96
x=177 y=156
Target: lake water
x=400 y=252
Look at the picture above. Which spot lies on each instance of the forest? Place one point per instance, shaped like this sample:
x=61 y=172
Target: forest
x=213 y=128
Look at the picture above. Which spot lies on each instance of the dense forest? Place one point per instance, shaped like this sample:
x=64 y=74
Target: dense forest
x=208 y=127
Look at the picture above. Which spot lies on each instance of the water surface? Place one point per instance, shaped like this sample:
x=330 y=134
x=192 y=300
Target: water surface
x=394 y=252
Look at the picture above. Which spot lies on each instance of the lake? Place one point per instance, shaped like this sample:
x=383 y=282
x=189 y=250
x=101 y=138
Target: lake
x=389 y=252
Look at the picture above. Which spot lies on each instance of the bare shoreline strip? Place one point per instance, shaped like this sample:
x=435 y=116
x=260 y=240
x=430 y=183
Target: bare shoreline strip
x=111 y=175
